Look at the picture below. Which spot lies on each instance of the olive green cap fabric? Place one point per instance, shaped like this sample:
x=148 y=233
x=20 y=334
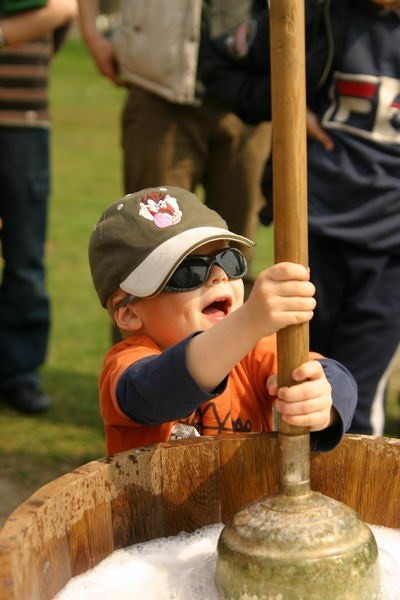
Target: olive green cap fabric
x=141 y=239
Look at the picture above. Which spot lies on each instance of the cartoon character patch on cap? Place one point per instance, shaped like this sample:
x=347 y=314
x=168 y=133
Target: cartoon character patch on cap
x=161 y=208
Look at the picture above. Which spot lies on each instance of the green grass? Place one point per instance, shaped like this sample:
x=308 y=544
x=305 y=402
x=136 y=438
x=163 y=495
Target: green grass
x=86 y=177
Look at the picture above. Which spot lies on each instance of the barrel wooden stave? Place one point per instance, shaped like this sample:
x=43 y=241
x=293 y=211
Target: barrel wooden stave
x=75 y=521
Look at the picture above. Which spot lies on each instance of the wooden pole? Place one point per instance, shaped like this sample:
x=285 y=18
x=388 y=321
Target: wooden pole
x=297 y=543
x=289 y=143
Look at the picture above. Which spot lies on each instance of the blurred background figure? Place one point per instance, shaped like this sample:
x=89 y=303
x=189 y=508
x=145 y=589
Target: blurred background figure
x=353 y=93
x=28 y=40
x=172 y=134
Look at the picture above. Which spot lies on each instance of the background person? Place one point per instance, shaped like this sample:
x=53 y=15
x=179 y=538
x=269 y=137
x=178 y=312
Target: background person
x=25 y=189
x=353 y=91
x=171 y=133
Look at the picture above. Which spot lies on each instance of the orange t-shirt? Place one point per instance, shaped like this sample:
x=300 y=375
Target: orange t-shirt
x=244 y=404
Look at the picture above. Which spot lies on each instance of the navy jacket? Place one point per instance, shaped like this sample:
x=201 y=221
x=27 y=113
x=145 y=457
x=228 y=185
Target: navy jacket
x=353 y=85
x=235 y=70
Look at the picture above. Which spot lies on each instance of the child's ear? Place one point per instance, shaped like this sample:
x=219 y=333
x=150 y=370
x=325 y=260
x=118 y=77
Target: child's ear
x=127 y=319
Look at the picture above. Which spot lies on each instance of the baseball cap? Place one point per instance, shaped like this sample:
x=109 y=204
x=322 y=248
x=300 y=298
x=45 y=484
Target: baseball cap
x=141 y=239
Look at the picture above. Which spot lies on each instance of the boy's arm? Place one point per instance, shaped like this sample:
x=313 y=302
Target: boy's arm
x=30 y=25
x=281 y=296
x=158 y=388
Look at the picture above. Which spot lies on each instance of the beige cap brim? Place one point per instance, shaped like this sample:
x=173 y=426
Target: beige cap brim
x=149 y=278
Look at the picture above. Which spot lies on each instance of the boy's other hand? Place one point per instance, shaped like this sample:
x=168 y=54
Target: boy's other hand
x=307 y=403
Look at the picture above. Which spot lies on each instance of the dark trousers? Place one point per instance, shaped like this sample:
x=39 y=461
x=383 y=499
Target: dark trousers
x=24 y=304
x=357 y=320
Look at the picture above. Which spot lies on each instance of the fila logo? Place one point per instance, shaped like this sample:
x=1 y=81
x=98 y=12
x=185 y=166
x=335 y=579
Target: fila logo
x=366 y=106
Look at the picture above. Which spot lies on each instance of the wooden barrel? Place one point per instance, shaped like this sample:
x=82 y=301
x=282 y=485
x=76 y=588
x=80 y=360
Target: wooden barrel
x=75 y=521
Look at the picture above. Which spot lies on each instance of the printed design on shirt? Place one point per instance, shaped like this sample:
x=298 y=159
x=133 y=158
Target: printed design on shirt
x=238 y=425
x=194 y=420
x=181 y=431
x=366 y=106
x=216 y=423
x=161 y=208
x=394 y=113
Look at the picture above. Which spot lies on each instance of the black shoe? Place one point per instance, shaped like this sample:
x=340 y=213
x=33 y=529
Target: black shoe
x=26 y=398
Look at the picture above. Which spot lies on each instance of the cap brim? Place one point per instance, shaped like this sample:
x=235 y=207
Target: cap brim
x=149 y=278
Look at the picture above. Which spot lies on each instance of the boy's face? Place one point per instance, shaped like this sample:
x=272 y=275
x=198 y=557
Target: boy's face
x=172 y=316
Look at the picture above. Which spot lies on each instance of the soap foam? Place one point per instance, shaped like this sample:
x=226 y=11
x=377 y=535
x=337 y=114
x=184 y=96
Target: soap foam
x=182 y=568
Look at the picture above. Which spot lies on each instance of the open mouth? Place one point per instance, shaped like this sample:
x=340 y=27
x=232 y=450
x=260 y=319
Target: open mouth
x=218 y=308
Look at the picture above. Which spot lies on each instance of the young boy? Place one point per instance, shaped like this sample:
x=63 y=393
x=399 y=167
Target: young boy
x=194 y=358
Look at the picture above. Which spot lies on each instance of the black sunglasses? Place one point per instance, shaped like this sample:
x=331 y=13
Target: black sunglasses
x=195 y=270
